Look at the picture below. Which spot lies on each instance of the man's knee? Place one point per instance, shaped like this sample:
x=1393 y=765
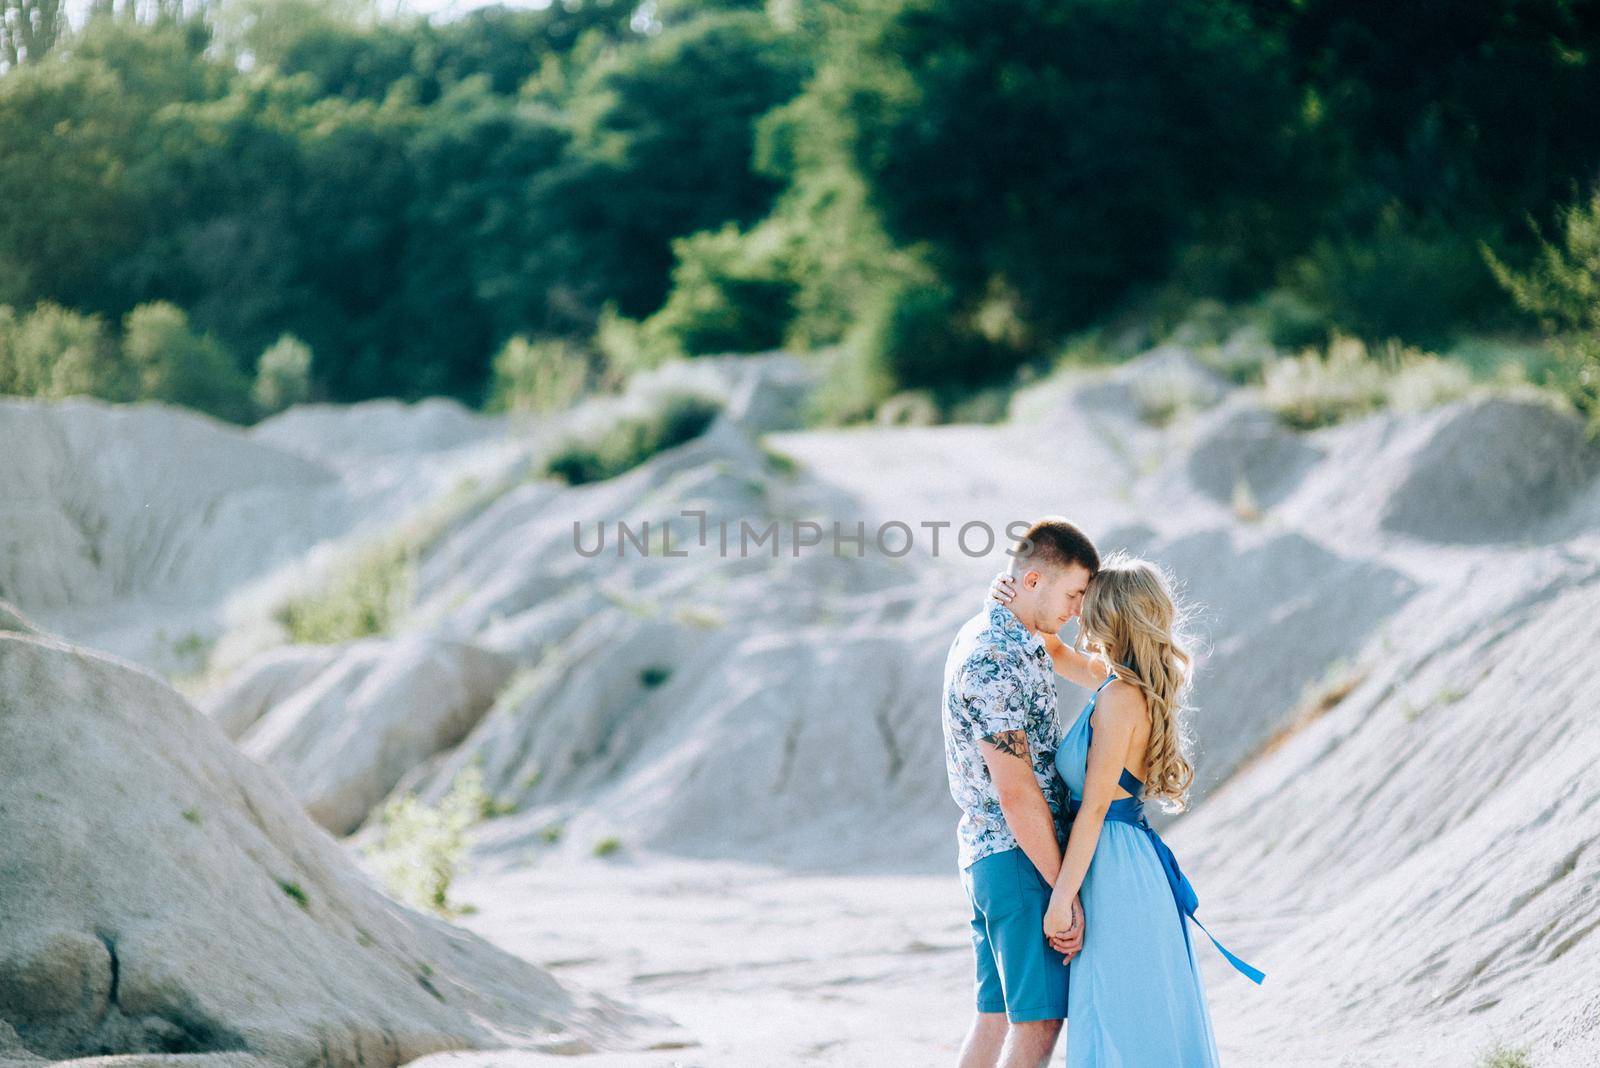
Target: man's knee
x=990 y=1022
x=1037 y=1027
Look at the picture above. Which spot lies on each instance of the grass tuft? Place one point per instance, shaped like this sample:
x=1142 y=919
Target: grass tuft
x=1316 y=390
x=296 y=893
x=420 y=847
x=1504 y=1057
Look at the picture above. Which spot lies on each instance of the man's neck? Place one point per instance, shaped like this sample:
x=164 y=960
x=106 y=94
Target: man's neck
x=1023 y=616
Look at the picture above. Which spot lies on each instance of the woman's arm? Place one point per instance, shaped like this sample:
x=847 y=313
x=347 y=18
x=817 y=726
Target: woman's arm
x=1117 y=713
x=1085 y=671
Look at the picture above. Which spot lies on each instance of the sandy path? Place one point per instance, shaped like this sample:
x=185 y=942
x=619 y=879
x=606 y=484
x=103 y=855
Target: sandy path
x=767 y=968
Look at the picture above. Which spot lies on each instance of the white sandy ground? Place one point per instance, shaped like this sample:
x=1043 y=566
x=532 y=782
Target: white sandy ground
x=763 y=967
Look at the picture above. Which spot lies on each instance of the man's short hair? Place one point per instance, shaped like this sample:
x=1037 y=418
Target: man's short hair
x=1055 y=542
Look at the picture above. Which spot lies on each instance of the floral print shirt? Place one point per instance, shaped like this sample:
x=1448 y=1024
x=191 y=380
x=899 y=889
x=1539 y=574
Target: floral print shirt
x=998 y=677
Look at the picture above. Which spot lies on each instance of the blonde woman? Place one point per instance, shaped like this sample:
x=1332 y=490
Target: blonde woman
x=1134 y=994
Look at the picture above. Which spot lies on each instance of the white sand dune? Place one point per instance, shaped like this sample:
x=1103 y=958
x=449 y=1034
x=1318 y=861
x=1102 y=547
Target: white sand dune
x=1396 y=740
x=162 y=894
x=130 y=527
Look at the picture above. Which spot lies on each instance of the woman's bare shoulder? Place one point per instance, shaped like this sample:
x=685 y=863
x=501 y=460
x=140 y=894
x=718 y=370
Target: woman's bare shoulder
x=1124 y=700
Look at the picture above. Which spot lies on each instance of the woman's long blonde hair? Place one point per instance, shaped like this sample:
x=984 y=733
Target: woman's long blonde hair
x=1131 y=617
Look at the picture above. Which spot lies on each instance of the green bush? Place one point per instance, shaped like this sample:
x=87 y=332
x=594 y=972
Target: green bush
x=538 y=376
x=1562 y=288
x=283 y=375
x=991 y=405
x=630 y=442
x=362 y=597
x=1509 y=360
x=921 y=339
x=172 y=363
x=420 y=846
x=1204 y=322
x=1243 y=358
x=1504 y=1057
x=55 y=352
x=913 y=407
x=851 y=384
x=626 y=347
x=1414 y=281
x=1289 y=321
x=727 y=296
x=1315 y=389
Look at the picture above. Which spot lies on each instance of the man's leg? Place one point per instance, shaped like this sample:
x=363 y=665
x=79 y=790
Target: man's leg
x=982 y=1047
x=1034 y=975
x=1030 y=1043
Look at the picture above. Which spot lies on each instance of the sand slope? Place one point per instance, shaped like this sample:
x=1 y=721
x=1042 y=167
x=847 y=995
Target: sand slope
x=1395 y=746
x=160 y=893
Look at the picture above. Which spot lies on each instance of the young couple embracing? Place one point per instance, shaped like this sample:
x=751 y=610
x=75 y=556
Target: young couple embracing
x=1079 y=910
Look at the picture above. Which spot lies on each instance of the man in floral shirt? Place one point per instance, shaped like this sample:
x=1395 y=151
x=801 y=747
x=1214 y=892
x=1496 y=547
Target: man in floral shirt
x=1001 y=728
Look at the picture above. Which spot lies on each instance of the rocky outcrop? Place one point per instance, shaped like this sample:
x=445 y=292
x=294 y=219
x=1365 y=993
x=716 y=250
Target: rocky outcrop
x=376 y=711
x=160 y=893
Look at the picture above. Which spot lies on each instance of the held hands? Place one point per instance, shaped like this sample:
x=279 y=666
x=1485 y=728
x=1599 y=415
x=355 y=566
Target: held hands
x=1064 y=926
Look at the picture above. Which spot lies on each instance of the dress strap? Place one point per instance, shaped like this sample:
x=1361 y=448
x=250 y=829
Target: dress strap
x=1129 y=782
x=1109 y=680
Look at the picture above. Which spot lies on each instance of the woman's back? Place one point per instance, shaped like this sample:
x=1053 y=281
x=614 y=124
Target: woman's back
x=1137 y=963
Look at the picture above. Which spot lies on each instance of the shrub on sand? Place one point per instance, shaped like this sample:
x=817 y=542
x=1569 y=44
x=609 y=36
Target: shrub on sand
x=1315 y=389
x=172 y=363
x=56 y=352
x=630 y=442
x=1562 y=288
x=283 y=375
x=537 y=376
x=913 y=407
x=420 y=847
x=363 y=596
x=1504 y=1057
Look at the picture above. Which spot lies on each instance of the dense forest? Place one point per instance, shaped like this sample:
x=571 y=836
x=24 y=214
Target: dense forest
x=243 y=203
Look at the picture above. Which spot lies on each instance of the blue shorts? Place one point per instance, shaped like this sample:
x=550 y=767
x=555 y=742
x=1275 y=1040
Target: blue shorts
x=1018 y=973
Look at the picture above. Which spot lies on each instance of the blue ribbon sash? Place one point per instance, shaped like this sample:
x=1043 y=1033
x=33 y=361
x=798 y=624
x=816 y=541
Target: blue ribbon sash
x=1130 y=810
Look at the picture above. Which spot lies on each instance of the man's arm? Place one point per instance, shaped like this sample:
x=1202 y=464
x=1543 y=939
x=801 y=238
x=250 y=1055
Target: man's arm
x=1027 y=813
x=990 y=687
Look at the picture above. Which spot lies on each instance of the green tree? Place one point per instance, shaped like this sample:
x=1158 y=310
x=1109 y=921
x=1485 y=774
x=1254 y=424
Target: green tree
x=174 y=364
x=664 y=143
x=55 y=352
x=283 y=375
x=71 y=212
x=1562 y=288
x=473 y=271
x=728 y=295
x=1437 y=126
x=1064 y=147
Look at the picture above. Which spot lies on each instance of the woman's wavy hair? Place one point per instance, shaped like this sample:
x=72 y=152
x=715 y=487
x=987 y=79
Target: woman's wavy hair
x=1131 y=616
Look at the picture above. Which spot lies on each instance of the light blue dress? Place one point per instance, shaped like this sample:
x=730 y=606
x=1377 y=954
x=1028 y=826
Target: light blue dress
x=1134 y=997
